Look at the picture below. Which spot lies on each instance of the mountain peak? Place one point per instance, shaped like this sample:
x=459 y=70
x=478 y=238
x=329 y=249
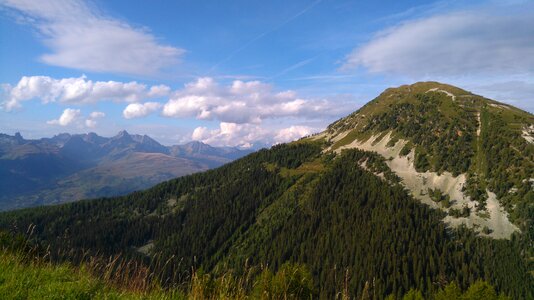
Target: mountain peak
x=124 y=136
x=198 y=147
x=122 y=133
x=424 y=87
x=196 y=143
x=437 y=137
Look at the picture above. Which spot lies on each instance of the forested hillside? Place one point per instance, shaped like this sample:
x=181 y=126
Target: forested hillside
x=340 y=206
x=288 y=204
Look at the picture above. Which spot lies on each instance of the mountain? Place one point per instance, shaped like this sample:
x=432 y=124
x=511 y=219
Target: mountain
x=72 y=167
x=425 y=185
x=455 y=151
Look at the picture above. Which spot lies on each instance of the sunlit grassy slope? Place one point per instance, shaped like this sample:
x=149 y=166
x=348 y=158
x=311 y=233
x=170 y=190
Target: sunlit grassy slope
x=21 y=279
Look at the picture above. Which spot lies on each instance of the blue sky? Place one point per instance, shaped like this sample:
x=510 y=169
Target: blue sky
x=244 y=73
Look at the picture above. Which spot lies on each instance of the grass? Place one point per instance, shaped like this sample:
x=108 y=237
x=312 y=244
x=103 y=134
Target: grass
x=315 y=166
x=25 y=275
x=37 y=279
x=351 y=137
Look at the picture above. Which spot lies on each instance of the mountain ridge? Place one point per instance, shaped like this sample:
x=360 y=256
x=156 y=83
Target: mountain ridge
x=70 y=167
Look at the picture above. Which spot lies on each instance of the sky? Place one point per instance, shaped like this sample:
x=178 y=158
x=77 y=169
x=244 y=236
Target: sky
x=245 y=73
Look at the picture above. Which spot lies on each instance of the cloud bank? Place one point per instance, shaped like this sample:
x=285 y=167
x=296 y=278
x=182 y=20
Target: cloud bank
x=248 y=112
x=462 y=43
x=242 y=109
x=81 y=37
x=249 y=135
x=243 y=102
x=76 y=91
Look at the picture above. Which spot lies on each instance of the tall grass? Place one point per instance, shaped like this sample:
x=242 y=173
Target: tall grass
x=30 y=272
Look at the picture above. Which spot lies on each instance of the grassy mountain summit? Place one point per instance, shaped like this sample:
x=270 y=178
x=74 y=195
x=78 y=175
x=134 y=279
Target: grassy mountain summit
x=468 y=155
x=374 y=205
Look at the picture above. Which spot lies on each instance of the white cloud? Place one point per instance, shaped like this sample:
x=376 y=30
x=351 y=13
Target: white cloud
x=293 y=133
x=138 y=110
x=200 y=133
x=246 y=102
x=68 y=116
x=91 y=121
x=81 y=37
x=76 y=91
x=97 y=114
x=159 y=91
x=244 y=107
x=248 y=135
x=475 y=42
x=231 y=134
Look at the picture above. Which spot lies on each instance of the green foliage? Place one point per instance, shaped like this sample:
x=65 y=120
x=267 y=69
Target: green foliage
x=450 y=292
x=291 y=281
x=413 y=294
x=406 y=149
x=460 y=213
x=437 y=196
x=475 y=189
x=32 y=277
x=509 y=162
x=443 y=199
x=443 y=132
x=479 y=290
x=348 y=206
x=23 y=279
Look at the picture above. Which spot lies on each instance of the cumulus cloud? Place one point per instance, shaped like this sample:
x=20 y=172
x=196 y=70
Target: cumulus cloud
x=230 y=134
x=76 y=91
x=477 y=42
x=248 y=135
x=68 y=116
x=293 y=133
x=81 y=37
x=246 y=102
x=138 y=110
x=91 y=122
x=159 y=91
x=244 y=107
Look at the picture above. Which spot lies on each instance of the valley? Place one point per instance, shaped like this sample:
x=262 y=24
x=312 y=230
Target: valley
x=68 y=167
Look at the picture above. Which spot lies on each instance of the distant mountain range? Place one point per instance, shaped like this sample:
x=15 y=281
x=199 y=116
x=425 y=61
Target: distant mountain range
x=70 y=167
